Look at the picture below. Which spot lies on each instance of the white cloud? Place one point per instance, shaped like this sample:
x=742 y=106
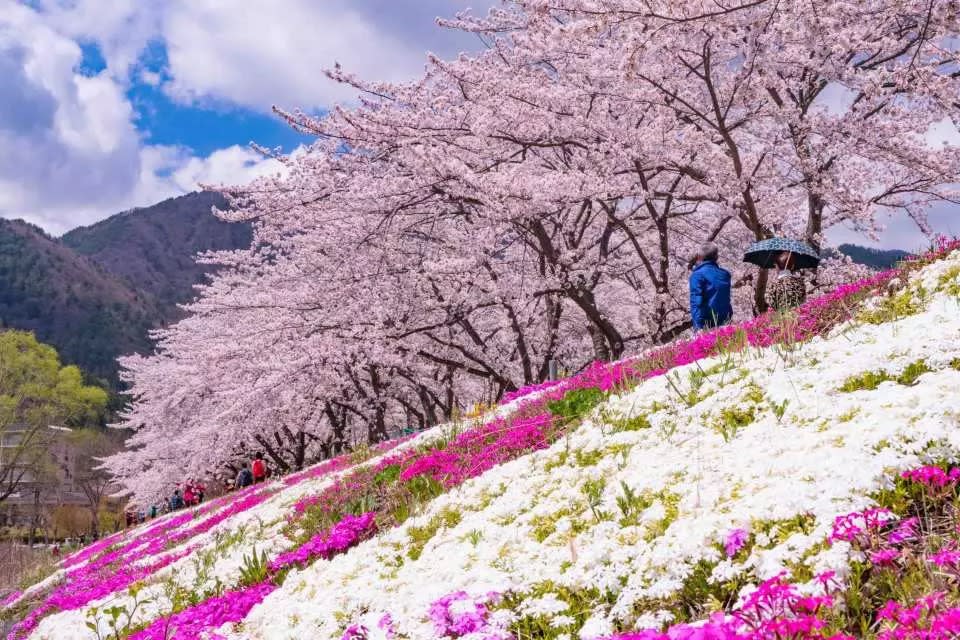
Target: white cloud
x=72 y=151
x=265 y=52
x=168 y=170
x=276 y=51
x=120 y=28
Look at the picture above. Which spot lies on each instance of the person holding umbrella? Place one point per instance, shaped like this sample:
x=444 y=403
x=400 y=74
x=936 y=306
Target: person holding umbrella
x=788 y=257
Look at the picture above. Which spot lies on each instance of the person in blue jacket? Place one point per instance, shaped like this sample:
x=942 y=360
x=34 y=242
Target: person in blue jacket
x=709 y=290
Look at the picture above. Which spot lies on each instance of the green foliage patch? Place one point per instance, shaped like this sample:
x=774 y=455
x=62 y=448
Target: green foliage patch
x=576 y=404
x=870 y=380
x=420 y=536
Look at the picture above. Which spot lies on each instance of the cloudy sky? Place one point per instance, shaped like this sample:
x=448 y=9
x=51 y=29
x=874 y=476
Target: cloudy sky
x=109 y=104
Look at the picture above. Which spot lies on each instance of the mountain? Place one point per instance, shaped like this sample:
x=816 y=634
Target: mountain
x=879 y=259
x=153 y=248
x=96 y=292
x=805 y=489
x=90 y=316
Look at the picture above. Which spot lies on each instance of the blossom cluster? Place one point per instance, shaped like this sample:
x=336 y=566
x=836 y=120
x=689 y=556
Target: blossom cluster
x=458 y=614
x=210 y=614
x=933 y=476
x=340 y=537
x=776 y=609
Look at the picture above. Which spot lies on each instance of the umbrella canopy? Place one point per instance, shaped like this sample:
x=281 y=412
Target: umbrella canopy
x=764 y=253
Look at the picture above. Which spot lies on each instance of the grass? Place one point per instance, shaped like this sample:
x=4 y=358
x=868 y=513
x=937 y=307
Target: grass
x=870 y=380
x=420 y=536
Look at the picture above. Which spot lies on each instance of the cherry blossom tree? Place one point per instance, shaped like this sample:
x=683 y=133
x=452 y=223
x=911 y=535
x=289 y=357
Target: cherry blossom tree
x=445 y=239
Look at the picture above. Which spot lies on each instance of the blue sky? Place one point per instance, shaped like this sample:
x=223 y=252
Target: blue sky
x=203 y=128
x=111 y=104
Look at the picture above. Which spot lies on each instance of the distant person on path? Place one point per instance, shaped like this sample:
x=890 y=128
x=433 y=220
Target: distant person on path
x=188 y=496
x=153 y=511
x=709 y=290
x=788 y=289
x=176 y=502
x=259 y=468
x=245 y=477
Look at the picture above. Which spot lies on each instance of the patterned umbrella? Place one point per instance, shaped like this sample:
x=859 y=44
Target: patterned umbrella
x=764 y=252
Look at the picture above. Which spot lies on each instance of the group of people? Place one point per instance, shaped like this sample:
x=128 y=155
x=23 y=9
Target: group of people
x=192 y=492
x=711 y=286
x=250 y=473
x=191 y=495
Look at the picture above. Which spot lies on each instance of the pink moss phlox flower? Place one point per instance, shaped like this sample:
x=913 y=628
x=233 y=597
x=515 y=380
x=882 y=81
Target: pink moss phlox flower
x=735 y=541
x=355 y=632
x=932 y=477
x=926 y=619
x=190 y=623
x=885 y=557
x=91 y=550
x=510 y=396
x=860 y=526
x=10 y=599
x=478 y=450
x=946 y=558
x=775 y=610
x=340 y=537
x=717 y=627
x=904 y=531
x=458 y=614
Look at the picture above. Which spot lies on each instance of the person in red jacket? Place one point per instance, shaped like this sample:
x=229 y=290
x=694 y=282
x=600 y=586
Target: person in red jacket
x=188 y=495
x=259 y=468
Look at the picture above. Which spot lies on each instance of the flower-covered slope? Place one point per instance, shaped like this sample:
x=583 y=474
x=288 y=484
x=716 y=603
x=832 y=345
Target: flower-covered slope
x=600 y=531
x=701 y=482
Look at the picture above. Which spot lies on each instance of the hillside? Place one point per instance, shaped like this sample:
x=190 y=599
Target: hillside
x=873 y=258
x=96 y=292
x=785 y=478
x=153 y=248
x=69 y=301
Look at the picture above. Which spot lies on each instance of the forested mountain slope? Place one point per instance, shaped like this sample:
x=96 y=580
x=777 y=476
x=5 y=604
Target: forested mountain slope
x=153 y=248
x=69 y=301
x=96 y=292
